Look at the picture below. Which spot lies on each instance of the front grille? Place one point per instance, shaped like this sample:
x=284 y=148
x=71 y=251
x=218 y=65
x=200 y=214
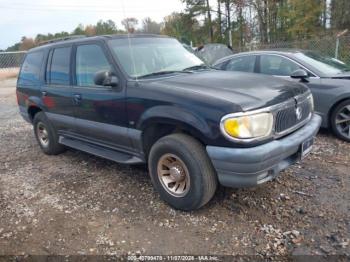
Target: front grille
x=287 y=118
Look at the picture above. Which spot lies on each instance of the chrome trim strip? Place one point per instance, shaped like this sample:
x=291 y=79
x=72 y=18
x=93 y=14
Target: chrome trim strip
x=273 y=110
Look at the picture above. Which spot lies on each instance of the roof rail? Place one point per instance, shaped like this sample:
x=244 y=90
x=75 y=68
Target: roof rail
x=71 y=37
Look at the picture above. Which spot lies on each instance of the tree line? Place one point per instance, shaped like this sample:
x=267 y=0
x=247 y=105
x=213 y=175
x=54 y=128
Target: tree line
x=262 y=21
x=233 y=22
x=100 y=28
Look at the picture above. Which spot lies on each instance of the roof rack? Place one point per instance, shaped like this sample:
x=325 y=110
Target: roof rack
x=71 y=37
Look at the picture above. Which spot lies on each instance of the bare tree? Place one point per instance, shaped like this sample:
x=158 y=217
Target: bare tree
x=129 y=24
x=150 y=26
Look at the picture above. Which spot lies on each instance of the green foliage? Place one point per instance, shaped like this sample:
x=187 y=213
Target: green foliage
x=195 y=8
x=79 y=30
x=180 y=26
x=340 y=14
x=14 y=47
x=106 y=28
x=303 y=18
x=150 y=27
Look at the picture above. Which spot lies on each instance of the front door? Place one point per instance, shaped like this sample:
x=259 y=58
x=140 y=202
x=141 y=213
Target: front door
x=100 y=111
x=277 y=66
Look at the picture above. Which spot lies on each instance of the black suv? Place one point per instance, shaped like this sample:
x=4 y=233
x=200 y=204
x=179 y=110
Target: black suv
x=142 y=98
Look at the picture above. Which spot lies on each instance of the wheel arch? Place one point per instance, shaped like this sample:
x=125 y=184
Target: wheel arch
x=334 y=105
x=33 y=110
x=165 y=120
x=34 y=105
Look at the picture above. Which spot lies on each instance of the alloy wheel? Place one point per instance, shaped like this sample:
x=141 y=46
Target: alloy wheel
x=42 y=134
x=173 y=175
x=342 y=121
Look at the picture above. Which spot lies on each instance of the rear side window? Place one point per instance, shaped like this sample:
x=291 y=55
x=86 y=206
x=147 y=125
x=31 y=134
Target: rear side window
x=242 y=64
x=59 y=68
x=30 y=72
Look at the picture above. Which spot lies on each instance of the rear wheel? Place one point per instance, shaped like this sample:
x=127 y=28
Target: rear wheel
x=340 y=120
x=46 y=135
x=181 y=172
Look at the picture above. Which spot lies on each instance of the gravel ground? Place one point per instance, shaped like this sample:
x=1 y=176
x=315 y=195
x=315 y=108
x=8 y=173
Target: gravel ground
x=76 y=203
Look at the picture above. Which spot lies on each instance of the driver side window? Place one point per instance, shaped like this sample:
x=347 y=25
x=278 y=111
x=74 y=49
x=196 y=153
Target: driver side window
x=90 y=59
x=277 y=65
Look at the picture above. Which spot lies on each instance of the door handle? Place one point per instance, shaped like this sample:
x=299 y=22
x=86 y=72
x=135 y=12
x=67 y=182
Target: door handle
x=77 y=98
x=44 y=93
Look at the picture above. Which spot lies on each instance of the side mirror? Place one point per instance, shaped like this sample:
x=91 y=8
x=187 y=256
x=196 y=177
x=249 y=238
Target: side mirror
x=106 y=78
x=300 y=74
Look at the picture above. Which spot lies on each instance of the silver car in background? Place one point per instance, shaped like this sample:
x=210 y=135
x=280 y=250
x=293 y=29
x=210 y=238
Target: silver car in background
x=327 y=78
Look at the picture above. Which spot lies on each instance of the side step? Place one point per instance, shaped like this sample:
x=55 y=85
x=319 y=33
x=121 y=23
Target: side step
x=100 y=151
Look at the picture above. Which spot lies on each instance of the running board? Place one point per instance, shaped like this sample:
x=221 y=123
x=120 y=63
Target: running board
x=100 y=151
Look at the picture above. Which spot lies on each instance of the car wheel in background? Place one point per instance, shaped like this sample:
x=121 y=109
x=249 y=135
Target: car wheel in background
x=340 y=120
x=181 y=172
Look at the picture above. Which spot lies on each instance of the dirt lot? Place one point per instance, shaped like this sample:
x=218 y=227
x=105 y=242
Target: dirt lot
x=8 y=73
x=76 y=203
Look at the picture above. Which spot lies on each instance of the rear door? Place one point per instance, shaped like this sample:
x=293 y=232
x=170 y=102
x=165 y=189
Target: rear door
x=100 y=110
x=29 y=82
x=57 y=91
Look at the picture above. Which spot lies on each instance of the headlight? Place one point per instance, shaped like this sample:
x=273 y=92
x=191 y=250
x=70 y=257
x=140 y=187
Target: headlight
x=247 y=126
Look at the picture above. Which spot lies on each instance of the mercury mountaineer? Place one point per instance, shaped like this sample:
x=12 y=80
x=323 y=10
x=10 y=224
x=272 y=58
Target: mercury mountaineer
x=146 y=99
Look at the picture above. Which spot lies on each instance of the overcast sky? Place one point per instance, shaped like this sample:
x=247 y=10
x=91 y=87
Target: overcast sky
x=29 y=17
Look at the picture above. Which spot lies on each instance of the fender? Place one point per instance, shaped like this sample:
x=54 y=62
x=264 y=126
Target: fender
x=175 y=115
x=327 y=97
x=337 y=100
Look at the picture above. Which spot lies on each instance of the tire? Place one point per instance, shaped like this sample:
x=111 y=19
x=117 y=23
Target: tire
x=340 y=120
x=179 y=155
x=43 y=128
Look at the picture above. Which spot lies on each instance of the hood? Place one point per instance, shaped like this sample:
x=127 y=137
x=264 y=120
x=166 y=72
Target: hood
x=249 y=91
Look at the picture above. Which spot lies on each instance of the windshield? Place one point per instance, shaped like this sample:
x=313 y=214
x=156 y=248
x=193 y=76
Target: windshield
x=327 y=65
x=147 y=56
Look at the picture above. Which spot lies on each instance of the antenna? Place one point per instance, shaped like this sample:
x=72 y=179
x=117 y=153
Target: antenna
x=129 y=42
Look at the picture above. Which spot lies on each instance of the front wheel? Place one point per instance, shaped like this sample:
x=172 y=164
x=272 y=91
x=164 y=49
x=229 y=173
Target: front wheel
x=340 y=120
x=181 y=172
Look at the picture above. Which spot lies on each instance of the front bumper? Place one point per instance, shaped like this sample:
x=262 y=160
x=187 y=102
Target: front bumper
x=244 y=167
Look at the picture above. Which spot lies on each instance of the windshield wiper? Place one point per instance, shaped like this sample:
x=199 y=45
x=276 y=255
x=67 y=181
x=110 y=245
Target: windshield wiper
x=162 y=73
x=196 y=67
